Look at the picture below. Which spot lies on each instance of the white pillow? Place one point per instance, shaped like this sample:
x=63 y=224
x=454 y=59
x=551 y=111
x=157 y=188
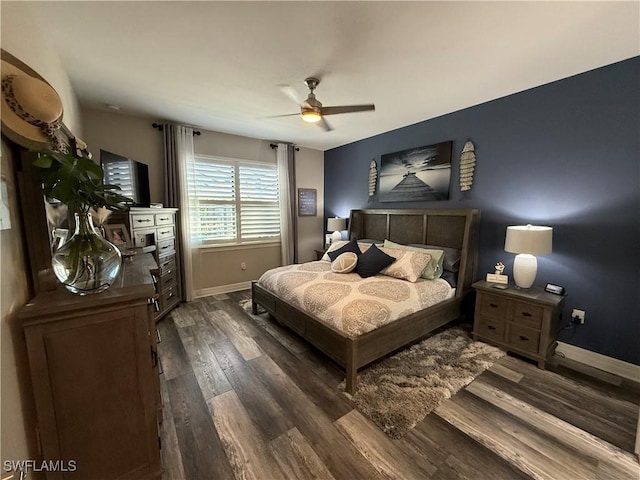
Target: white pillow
x=409 y=265
x=345 y=263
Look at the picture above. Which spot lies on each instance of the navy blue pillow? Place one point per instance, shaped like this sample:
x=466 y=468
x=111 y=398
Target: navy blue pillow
x=352 y=246
x=372 y=262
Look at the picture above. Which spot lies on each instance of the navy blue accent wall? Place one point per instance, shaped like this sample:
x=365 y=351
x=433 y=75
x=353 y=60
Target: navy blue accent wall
x=565 y=154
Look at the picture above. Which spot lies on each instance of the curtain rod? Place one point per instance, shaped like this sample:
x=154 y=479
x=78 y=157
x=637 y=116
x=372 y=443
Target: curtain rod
x=275 y=145
x=160 y=127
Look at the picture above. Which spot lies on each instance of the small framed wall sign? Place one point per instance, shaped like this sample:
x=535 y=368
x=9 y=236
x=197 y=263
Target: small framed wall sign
x=307 y=202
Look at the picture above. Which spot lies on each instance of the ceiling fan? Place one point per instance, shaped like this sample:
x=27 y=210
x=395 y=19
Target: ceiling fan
x=312 y=110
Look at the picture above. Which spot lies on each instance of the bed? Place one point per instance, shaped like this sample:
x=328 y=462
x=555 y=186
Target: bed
x=355 y=348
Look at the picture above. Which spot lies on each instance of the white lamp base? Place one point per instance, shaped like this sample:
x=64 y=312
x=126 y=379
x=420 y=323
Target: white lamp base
x=525 y=268
x=336 y=236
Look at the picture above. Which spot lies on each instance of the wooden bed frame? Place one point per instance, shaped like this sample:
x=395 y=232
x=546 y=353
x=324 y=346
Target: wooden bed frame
x=448 y=228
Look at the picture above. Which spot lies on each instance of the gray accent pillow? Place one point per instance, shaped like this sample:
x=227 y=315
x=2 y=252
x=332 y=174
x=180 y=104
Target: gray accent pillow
x=451 y=256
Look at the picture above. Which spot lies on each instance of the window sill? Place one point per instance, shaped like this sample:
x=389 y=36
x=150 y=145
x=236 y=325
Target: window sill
x=220 y=247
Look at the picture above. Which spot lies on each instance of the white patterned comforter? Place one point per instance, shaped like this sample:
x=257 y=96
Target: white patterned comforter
x=352 y=304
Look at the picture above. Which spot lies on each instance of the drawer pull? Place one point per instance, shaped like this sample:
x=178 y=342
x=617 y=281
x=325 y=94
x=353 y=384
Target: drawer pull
x=164 y=219
x=165 y=232
x=165 y=247
x=491 y=327
x=146 y=220
x=493 y=305
x=154 y=358
x=526 y=314
x=523 y=338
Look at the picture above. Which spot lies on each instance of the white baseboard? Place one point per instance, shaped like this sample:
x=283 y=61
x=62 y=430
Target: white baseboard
x=233 y=287
x=599 y=361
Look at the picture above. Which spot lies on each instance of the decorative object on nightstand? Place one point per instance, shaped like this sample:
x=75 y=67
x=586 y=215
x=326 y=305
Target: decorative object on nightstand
x=498 y=277
x=336 y=225
x=521 y=321
x=527 y=241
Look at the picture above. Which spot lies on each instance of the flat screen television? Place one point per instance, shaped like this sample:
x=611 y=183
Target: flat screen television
x=131 y=176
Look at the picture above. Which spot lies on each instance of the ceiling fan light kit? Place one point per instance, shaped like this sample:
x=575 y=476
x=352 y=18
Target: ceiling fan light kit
x=311 y=109
x=310 y=115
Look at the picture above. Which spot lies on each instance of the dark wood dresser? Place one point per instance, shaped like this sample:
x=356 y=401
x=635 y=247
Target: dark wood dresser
x=94 y=371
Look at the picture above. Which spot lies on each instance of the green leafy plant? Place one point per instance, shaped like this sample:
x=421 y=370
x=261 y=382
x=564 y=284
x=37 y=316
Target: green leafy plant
x=77 y=182
x=85 y=263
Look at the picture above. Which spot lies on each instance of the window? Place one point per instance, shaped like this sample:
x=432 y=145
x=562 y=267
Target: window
x=233 y=201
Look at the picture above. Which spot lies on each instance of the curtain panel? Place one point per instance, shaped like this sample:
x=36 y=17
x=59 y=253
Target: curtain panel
x=179 y=158
x=288 y=220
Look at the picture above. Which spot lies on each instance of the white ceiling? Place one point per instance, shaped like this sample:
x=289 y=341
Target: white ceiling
x=216 y=65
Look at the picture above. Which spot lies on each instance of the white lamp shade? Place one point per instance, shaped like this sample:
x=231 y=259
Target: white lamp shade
x=336 y=224
x=529 y=239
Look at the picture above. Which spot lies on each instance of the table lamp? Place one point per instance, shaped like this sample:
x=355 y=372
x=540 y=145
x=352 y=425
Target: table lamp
x=527 y=241
x=336 y=225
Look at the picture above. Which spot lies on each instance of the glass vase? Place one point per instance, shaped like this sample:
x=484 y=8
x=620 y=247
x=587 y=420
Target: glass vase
x=86 y=263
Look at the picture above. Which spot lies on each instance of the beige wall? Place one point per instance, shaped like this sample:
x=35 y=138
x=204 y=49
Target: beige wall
x=17 y=422
x=23 y=38
x=214 y=268
x=130 y=136
x=310 y=174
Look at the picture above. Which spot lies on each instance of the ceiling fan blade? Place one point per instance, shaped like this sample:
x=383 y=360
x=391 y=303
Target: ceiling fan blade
x=290 y=92
x=347 y=109
x=279 y=116
x=325 y=125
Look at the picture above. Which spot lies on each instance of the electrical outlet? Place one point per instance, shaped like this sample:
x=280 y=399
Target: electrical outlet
x=577 y=316
x=243 y=265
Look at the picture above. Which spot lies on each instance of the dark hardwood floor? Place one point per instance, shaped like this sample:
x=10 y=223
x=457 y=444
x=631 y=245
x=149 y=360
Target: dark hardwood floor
x=245 y=398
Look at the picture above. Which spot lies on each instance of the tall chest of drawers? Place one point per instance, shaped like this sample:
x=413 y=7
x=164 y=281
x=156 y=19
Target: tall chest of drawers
x=157 y=227
x=521 y=321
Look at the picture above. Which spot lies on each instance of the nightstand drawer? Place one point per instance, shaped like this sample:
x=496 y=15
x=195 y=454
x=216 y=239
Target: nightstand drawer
x=493 y=306
x=523 y=338
x=490 y=328
x=527 y=314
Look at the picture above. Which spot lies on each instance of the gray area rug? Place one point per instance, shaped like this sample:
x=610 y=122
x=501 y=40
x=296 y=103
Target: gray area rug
x=401 y=390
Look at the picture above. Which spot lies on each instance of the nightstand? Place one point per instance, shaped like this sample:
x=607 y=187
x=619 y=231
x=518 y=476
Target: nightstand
x=520 y=321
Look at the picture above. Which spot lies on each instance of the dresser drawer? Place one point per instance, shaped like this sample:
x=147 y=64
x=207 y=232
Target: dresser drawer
x=166 y=246
x=144 y=237
x=169 y=297
x=490 y=328
x=164 y=219
x=524 y=338
x=526 y=314
x=168 y=279
x=142 y=221
x=167 y=263
x=165 y=232
x=493 y=306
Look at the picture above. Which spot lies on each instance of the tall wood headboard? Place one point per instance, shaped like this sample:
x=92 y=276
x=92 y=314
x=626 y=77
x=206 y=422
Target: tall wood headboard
x=446 y=228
